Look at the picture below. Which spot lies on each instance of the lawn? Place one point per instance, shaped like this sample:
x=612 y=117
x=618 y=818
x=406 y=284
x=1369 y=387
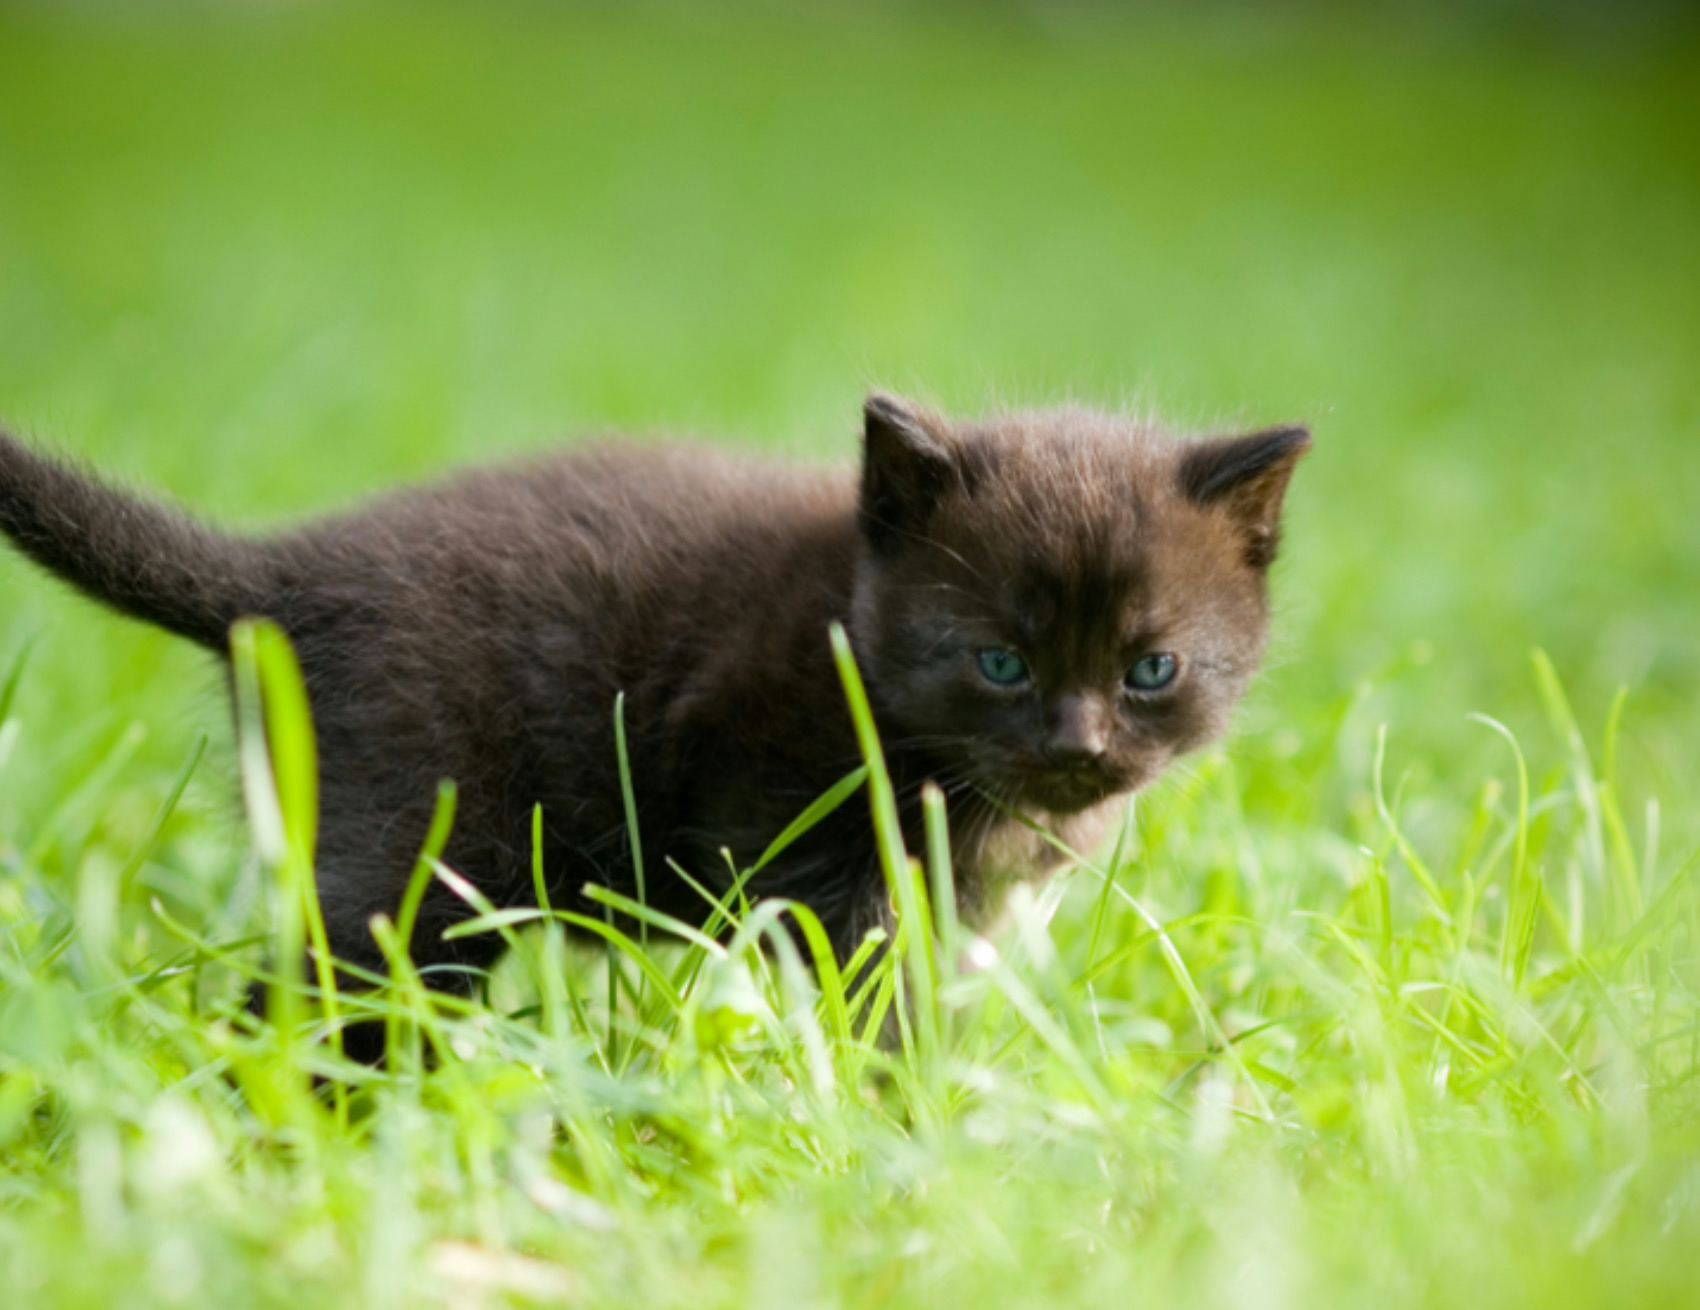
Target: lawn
x=1388 y=1002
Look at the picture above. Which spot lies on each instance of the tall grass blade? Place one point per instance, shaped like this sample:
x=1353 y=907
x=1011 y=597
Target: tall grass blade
x=902 y=877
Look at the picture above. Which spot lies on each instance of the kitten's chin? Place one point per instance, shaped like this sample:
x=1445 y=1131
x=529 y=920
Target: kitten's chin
x=1065 y=794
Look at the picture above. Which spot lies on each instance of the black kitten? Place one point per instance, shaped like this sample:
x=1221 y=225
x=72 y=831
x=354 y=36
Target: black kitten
x=1047 y=608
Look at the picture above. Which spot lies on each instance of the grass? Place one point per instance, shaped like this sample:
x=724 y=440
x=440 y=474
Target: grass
x=1382 y=1004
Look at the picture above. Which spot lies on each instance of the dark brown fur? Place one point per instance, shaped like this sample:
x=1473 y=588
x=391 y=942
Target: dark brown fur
x=480 y=629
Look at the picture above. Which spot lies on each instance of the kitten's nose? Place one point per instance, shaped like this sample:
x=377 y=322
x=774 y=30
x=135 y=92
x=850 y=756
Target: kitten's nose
x=1079 y=729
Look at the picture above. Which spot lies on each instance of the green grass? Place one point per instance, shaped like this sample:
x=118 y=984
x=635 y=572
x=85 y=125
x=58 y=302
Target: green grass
x=1379 y=1005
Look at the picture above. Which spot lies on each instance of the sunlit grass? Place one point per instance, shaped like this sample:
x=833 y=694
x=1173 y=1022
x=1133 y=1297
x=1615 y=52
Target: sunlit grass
x=1230 y=1062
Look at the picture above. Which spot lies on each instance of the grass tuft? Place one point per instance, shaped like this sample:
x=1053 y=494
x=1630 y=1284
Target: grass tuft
x=1172 y=1055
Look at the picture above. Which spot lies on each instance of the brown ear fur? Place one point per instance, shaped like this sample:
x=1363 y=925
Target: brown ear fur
x=1247 y=477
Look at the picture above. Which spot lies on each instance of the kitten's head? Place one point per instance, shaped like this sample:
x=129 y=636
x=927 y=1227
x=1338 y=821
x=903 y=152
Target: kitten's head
x=1056 y=604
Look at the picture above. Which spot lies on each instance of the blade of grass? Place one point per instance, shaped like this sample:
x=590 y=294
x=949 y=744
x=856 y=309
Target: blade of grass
x=818 y=809
x=436 y=838
x=162 y=816
x=901 y=877
x=1523 y=899
x=15 y=675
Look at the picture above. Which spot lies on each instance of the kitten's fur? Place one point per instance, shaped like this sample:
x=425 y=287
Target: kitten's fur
x=481 y=627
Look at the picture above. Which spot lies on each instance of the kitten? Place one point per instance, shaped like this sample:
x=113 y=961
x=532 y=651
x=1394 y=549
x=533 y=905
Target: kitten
x=1047 y=608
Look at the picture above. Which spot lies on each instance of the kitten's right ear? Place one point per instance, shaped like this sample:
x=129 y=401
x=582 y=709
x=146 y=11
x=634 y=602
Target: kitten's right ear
x=906 y=466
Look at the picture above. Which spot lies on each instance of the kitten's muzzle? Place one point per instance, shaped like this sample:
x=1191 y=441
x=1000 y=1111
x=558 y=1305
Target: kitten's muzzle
x=1070 y=773
x=1069 y=784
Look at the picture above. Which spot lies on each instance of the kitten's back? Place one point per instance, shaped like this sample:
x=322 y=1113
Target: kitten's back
x=604 y=527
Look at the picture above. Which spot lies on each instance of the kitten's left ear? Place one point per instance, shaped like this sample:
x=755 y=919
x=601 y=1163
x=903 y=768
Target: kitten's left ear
x=1247 y=476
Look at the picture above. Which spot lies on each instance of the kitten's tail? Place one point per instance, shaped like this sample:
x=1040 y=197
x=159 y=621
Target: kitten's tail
x=128 y=552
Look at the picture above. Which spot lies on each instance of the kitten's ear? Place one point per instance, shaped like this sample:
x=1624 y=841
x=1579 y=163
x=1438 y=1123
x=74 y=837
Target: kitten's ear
x=1247 y=476
x=908 y=461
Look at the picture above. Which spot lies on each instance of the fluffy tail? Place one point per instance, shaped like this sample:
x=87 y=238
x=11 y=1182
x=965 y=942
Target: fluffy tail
x=139 y=557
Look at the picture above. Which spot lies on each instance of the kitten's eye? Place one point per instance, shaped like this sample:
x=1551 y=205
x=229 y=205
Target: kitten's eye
x=1003 y=667
x=1152 y=672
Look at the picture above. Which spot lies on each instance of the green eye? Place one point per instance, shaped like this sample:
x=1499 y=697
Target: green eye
x=1003 y=667
x=1152 y=673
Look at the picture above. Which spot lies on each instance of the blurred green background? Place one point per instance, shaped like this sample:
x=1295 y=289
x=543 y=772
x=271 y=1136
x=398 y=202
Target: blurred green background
x=271 y=257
